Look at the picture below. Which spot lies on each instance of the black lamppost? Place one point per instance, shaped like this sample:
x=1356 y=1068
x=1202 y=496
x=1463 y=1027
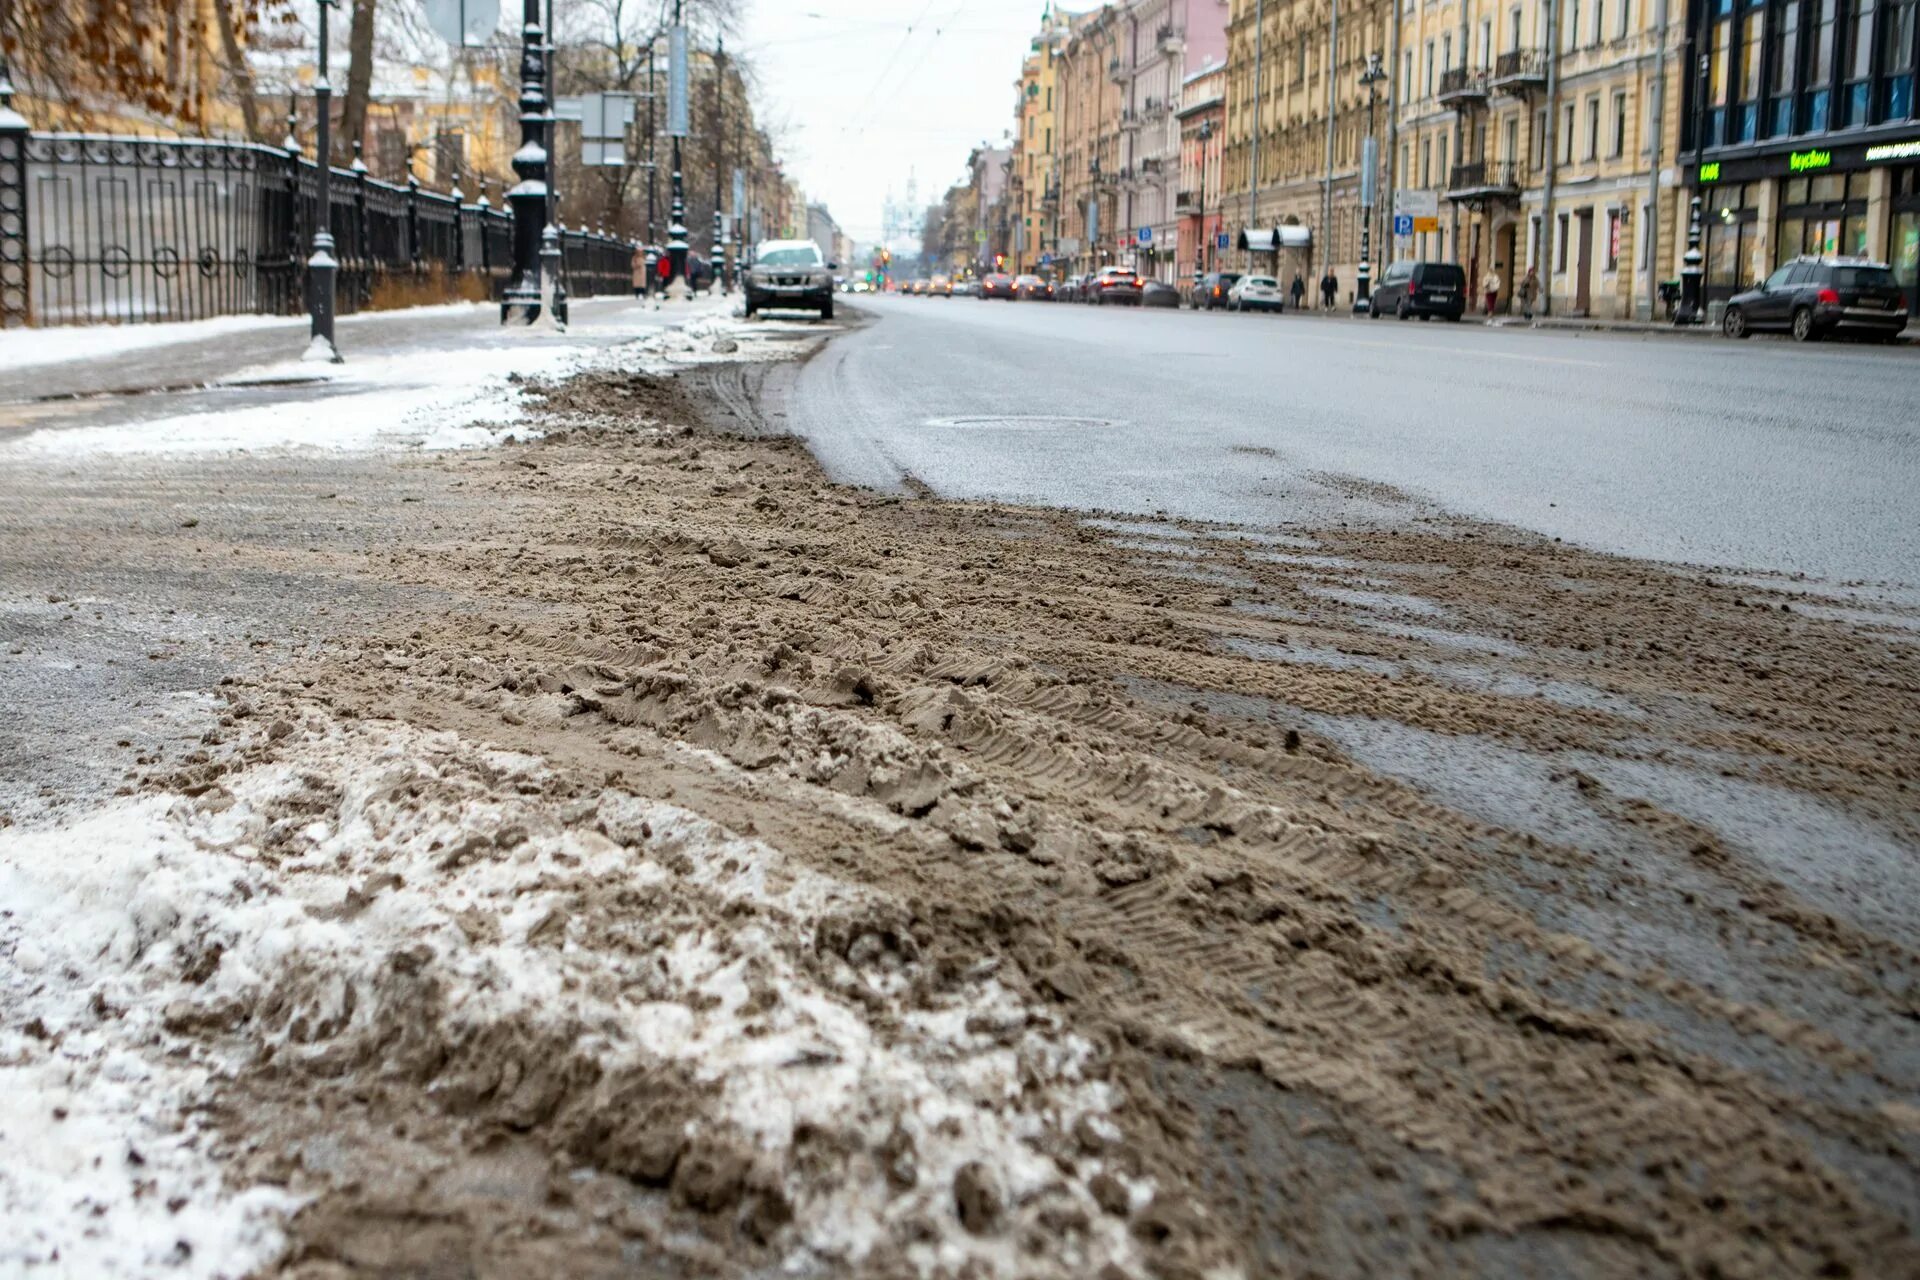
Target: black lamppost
x=1369 y=161
x=529 y=196
x=552 y=251
x=322 y=268
x=1692 y=308
x=1206 y=237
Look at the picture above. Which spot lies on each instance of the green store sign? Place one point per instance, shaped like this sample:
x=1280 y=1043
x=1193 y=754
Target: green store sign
x=1710 y=172
x=1801 y=161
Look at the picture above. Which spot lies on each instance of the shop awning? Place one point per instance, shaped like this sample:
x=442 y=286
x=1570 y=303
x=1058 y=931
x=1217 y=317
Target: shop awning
x=1274 y=239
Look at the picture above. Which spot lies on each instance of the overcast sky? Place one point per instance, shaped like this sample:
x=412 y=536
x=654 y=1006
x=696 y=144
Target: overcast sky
x=868 y=89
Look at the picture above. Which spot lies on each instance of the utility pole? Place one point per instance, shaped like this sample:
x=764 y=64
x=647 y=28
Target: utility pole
x=719 y=252
x=529 y=196
x=1259 y=50
x=677 y=126
x=1656 y=130
x=1369 y=162
x=552 y=252
x=1333 y=107
x=1549 y=155
x=322 y=268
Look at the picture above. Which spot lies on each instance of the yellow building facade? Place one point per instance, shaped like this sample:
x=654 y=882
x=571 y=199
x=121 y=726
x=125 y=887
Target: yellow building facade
x=1536 y=128
x=1035 y=169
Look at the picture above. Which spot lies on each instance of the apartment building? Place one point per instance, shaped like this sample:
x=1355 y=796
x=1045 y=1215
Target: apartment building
x=1203 y=131
x=1296 y=123
x=1091 y=77
x=1162 y=39
x=1034 y=173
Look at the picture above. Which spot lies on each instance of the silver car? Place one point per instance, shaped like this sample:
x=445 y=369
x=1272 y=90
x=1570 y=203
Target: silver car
x=790 y=275
x=1256 y=293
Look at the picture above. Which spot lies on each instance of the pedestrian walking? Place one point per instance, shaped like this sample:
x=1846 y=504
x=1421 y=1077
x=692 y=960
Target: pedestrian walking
x=1299 y=291
x=1490 y=286
x=638 y=265
x=1329 y=288
x=1529 y=290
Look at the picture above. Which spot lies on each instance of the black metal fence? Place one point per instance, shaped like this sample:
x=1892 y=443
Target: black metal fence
x=105 y=229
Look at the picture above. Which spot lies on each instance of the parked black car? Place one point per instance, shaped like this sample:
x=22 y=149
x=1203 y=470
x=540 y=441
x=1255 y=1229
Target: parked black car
x=1423 y=289
x=997 y=285
x=1117 y=285
x=1813 y=297
x=1032 y=288
x=1155 y=293
x=1212 y=290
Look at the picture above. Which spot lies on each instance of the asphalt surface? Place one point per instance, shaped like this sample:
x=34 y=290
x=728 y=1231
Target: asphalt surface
x=1753 y=456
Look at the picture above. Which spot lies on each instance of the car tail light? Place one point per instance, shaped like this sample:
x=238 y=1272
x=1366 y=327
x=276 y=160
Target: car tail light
x=1829 y=298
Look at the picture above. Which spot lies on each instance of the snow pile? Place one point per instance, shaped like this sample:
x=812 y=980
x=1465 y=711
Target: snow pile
x=106 y=1173
x=394 y=903
x=424 y=400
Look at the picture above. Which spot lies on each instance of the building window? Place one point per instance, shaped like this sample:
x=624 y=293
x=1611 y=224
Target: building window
x=1572 y=38
x=1406 y=75
x=1785 y=27
x=1486 y=43
x=1896 y=60
x=1816 y=107
x=1859 y=59
x=1613 y=239
x=1512 y=153
x=1624 y=21
x=1593 y=127
x=1619 y=145
x=1446 y=53
x=1539 y=146
x=1513 y=29
x=1599 y=20
x=1426 y=162
x=1560 y=246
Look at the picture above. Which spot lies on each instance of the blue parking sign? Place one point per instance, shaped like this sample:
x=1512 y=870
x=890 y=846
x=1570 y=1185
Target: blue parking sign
x=1403 y=224
x=1144 y=235
x=1223 y=241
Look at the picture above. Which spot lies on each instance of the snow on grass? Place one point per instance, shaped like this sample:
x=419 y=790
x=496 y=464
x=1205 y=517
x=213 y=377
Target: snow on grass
x=276 y=902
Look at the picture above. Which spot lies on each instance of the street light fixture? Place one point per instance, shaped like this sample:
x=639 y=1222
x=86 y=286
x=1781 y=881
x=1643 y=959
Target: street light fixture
x=1206 y=237
x=1369 y=162
x=323 y=268
x=1692 y=308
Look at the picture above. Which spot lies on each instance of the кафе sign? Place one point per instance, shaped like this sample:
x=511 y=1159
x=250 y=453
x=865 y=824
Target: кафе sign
x=1807 y=160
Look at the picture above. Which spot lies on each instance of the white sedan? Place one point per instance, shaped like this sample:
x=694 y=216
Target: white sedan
x=1256 y=293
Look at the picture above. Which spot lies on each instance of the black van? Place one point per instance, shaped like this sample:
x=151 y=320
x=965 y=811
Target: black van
x=1421 y=289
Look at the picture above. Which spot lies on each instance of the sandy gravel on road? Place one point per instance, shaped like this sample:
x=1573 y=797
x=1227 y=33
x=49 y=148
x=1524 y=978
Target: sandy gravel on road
x=740 y=871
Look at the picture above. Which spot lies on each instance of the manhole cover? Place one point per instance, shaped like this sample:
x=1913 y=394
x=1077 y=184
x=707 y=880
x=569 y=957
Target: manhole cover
x=1022 y=422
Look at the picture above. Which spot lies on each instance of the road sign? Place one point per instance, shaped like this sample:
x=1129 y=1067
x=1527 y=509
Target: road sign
x=1222 y=241
x=1416 y=204
x=677 y=113
x=463 y=22
x=1143 y=236
x=1046 y=259
x=979 y=235
x=1402 y=224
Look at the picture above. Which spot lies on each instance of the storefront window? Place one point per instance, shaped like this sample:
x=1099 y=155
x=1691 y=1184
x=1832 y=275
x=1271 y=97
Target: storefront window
x=1903 y=238
x=1747 y=120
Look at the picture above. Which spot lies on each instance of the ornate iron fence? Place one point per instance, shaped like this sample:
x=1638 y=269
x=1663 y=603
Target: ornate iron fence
x=105 y=229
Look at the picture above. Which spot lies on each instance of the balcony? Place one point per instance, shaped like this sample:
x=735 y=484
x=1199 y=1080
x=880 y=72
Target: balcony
x=1486 y=180
x=1463 y=87
x=1519 y=72
x=1170 y=38
x=1186 y=203
x=1117 y=71
x=1130 y=119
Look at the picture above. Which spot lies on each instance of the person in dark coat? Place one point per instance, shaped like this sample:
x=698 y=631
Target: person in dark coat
x=1299 y=291
x=1329 y=289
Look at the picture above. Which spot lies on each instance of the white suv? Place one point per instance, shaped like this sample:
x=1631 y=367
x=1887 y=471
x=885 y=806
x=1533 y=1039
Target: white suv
x=790 y=274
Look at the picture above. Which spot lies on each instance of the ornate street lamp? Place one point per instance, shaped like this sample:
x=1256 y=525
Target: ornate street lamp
x=1206 y=237
x=323 y=268
x=529 y=196
x=1692 y=308
x=1369 y=162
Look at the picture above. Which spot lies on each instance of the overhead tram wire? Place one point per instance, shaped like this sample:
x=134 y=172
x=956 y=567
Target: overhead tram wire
x=892 y=59
x=938 y=32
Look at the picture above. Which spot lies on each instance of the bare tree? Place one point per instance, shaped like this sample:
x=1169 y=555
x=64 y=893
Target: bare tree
x=353 y=110
x=234 y=63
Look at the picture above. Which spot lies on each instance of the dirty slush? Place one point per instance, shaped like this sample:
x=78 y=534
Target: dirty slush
x=658 y=860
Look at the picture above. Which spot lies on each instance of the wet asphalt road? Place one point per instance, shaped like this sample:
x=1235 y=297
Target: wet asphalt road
x=1759 y=455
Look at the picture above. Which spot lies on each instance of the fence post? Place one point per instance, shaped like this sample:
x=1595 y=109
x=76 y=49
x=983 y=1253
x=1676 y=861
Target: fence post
x=486 y=251
x=362 y=232
x=296 y=261
x=413 y=218
x=459 y=229
x=16 y=297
